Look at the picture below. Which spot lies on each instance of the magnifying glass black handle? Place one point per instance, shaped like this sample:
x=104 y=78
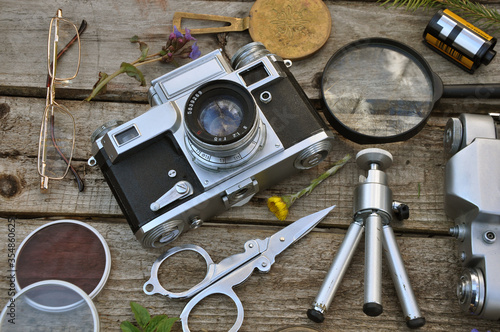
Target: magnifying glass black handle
x=480 y=91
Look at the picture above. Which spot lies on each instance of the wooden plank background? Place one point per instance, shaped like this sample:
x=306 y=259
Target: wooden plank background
x=273 y=300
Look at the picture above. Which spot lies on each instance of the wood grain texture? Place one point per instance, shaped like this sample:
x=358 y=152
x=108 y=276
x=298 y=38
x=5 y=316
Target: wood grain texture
x=281 y=297
x=271 y=301
x=416 y=174
x=106 y=44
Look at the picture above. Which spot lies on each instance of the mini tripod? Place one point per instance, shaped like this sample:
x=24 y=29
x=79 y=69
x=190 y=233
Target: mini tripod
x=373 y=212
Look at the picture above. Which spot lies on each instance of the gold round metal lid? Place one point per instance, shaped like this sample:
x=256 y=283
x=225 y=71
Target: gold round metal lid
x=292 y=29
x=297 y=329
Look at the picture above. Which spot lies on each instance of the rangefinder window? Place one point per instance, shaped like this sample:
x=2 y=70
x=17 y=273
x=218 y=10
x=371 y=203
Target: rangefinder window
x=254 y=74
x=126 y=136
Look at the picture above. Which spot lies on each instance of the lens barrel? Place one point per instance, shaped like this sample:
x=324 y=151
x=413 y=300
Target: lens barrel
x=223 y=127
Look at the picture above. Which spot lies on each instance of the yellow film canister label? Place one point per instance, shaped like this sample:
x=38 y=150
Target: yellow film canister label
x=459 y=41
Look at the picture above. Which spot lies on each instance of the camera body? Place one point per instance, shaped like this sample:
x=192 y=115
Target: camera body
x=214 y=137
x=472 y=184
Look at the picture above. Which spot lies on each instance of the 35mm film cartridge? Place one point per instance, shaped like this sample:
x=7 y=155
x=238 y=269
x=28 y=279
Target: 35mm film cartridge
x=459 y=41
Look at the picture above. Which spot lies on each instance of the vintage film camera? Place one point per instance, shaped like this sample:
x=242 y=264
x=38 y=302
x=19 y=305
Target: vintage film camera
x=472 y=199
x=217 y=134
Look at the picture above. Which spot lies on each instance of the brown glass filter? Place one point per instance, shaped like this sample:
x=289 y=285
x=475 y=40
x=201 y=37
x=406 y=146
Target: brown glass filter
x=65 y=250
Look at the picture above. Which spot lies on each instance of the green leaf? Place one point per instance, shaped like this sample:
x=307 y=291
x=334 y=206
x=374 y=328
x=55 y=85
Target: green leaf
x=166 y=324
x=144 y=51
x=141 y=314
x=100 y=86
x=102 y=77
x=153 y=323
x=133 y=72
x=128 y=327
x=142 y=46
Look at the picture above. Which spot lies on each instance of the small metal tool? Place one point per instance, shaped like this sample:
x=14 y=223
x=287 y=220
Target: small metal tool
x=373 y=211
x=233 y=270
x=291 y=29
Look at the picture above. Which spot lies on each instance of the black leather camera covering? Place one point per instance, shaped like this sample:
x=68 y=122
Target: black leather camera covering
x=141 y=177
x=290 y=112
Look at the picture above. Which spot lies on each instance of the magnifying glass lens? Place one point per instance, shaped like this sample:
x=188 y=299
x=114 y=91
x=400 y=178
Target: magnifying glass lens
x=376 y=92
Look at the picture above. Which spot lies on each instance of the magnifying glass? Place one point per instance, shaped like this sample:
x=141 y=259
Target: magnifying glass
x=378 y=90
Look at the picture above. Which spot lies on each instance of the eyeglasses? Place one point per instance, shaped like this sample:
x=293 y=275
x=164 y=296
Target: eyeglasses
x=57 y=132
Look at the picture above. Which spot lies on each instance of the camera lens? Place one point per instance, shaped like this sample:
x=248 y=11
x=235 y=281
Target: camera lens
x=220 y=113
x=221 y=116
x=223 y=127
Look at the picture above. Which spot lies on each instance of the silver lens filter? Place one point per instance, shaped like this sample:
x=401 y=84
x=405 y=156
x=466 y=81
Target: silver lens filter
x=60 y=267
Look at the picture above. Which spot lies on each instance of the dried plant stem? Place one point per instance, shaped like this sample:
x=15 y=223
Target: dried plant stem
x=477 y=13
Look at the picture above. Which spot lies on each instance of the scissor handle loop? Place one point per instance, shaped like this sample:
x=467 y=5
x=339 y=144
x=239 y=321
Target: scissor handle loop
x=224 y=286
x=214 y=289
x=152 y=286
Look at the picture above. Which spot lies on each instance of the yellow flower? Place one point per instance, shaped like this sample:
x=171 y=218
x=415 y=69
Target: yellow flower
x=278 y=207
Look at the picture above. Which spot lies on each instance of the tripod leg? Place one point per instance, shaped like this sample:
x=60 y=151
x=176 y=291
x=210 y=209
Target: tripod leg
x=336 y=273
x=373 y=265
x=401 y=281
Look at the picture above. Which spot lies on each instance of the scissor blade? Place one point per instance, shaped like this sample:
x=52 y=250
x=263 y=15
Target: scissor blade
x=294 y=232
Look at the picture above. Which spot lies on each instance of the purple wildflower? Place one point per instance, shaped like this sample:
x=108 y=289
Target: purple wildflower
x=195 y=51
x=188 y=35
x=176 y=34
x=169 y=57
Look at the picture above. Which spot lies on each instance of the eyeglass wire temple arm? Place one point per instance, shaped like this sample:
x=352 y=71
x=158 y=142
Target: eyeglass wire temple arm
x=78 y=179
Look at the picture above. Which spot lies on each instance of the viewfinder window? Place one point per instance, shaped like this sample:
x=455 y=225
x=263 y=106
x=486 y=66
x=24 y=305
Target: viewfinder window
x=254 y=75
x=127 y=135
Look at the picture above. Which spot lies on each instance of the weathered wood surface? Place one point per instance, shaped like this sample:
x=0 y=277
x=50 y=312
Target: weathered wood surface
x=106 y=44
x=422 y=191
x=281 y=297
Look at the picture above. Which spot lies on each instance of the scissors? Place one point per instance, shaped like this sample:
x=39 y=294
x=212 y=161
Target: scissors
x=233 y=270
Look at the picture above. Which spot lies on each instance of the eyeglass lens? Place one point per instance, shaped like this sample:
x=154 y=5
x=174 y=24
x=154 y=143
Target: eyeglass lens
x=60 y=35
x=56 y=142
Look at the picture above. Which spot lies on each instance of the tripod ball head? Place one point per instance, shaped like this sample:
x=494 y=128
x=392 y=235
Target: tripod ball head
x=367 y=157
